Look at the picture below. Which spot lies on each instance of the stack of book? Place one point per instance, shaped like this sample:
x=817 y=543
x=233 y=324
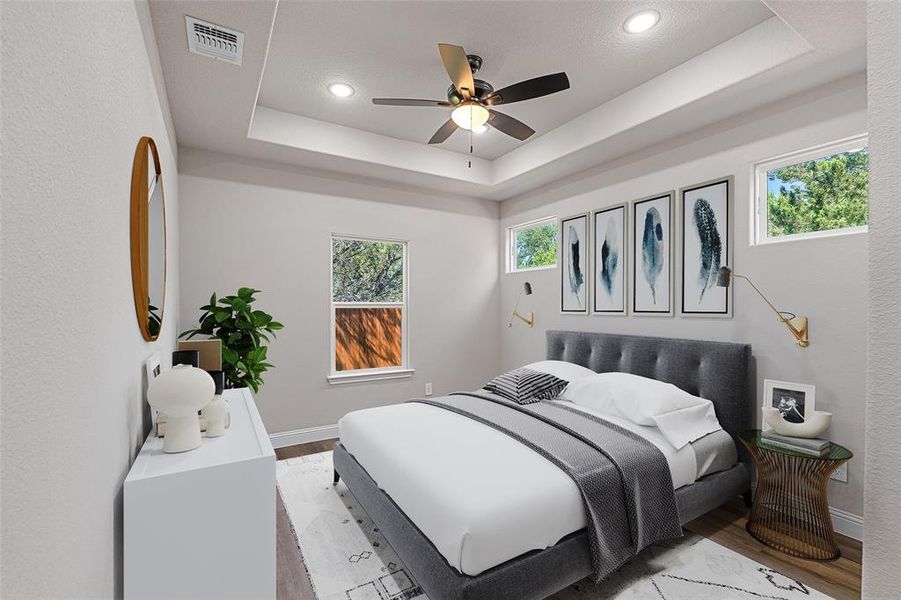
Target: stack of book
x=811 y=447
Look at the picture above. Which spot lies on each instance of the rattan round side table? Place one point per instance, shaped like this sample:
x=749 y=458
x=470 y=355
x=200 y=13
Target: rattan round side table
x=790 y=511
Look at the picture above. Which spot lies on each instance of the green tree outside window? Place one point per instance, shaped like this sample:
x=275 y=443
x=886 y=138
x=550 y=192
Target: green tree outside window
x=536 y=246
x=818 y=195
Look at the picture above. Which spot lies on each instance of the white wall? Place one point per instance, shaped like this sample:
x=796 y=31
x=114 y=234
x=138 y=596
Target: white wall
x=246 y=223
x=882 y=503
x=825 y=279
x=80 y=86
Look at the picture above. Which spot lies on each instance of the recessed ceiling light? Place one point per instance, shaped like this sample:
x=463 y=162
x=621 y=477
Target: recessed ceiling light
x=342 y=90
x=641 y=21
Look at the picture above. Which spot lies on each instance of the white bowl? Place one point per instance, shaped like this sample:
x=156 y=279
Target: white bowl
x=812 y=426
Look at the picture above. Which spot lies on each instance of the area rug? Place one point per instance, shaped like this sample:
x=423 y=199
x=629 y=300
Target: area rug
x=347 y=558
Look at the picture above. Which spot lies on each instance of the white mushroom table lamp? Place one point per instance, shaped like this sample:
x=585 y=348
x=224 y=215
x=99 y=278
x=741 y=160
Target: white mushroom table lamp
x=179 y=393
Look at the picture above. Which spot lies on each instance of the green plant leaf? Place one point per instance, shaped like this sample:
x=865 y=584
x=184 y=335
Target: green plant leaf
x=242 y=331
x=229 y=355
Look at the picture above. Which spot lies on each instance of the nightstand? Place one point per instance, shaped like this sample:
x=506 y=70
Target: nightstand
x=790 y=511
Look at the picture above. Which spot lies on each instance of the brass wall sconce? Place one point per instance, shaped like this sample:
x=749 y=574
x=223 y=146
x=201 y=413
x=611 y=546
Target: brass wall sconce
x=528 y=320
x=796 y=324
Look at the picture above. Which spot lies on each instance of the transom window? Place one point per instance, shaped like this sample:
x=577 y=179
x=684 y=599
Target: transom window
x=369 y=309
x=813 y=193
x=533 y=245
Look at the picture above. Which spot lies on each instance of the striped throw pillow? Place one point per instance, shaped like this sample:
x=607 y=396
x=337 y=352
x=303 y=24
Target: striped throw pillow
x=525 y=386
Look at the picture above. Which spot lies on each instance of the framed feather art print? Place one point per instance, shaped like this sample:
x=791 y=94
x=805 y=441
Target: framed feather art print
x=705 y=217
x=652 y=256
x=574 y=274
x=610 y=252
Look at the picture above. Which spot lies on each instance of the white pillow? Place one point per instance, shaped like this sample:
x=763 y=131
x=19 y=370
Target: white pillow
x=680 y=417
x=566 y=371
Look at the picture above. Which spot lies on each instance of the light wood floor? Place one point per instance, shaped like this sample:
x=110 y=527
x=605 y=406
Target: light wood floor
x=725 y=526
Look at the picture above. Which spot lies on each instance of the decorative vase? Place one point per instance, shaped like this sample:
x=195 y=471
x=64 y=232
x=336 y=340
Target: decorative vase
x=812 y=426
x=216 y=412
x=179 y=393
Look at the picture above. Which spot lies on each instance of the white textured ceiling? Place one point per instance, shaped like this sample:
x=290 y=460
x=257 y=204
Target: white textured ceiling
x=726 y=57
x=388 y=49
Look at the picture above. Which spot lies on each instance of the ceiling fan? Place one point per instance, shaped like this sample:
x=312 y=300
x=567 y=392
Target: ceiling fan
x=471 y=99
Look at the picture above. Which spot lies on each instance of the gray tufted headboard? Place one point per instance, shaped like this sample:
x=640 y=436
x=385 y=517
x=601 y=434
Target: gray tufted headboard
x=716 y=371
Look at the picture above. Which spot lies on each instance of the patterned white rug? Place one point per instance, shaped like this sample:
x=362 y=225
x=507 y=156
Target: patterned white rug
x=347 y=557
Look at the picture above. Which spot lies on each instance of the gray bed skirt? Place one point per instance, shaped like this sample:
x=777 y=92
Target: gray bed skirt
x=532 y=576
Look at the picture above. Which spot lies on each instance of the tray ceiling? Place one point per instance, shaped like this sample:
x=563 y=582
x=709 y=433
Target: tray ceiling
x=389 y=49
x=704 y=62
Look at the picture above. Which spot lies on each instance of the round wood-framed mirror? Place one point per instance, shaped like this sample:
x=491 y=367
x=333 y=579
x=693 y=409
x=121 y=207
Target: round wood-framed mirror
x=148 y=239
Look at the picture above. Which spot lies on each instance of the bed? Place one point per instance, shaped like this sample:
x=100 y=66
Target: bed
x=471 y=508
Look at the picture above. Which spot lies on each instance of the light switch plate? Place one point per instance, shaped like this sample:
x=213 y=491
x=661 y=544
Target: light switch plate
x=428 y=389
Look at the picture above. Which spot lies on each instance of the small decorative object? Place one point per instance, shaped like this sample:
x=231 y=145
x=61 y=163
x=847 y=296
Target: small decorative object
x=816 y=423
x=797 y=324
x=574 y=265
x=152 y=365
x=706 y=218
x=216 y=413
x=530 y=320
x=795 y=402
x=210 y=353
x=652 y=255
x=243 y=332
x=186 y=357
x=610 y=261
x=180 y=393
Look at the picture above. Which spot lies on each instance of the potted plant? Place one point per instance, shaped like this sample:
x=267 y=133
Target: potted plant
x=244 y=333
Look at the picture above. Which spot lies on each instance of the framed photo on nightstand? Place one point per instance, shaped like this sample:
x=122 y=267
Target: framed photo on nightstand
x=793 y=400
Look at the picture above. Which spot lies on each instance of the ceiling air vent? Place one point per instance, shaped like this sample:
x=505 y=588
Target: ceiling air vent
x=215 y=41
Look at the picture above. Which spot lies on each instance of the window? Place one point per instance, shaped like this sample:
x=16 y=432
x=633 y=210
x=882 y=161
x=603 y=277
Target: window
x=369 y=309
x=817 y=192
x=533 y=245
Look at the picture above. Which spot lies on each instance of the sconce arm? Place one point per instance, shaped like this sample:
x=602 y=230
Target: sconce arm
x=799 y=331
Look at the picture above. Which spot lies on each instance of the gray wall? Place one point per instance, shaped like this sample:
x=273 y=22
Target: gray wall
x=882 y=503
x=72 y=356
x=825 y=278
x=247 y=223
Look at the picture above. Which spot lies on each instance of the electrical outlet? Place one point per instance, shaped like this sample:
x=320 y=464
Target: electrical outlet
x=428 y=389
x=840 y=474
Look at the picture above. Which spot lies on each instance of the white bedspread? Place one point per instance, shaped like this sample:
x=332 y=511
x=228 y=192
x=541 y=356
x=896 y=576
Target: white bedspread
x=481 y=497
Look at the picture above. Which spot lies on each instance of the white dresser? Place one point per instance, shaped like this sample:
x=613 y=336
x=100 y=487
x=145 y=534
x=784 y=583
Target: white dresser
x=201 y=524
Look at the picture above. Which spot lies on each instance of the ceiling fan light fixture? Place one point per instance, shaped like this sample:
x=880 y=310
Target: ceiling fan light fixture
x=341 y=90
x=470 y=115
x=641 y=21
x=480 y=129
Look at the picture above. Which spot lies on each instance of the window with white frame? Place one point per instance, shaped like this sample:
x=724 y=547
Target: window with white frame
x=532 y=245
x=813 y=193
x=369 y=308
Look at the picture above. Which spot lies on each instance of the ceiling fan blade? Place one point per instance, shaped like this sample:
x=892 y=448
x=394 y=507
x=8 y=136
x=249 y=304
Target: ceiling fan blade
x=457 y=65
x=443 y=132
x=509 y=125
x=530 y=88
x=409 y=102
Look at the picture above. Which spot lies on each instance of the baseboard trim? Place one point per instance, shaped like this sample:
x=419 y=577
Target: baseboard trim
x=303 y=436
x=847 y=524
